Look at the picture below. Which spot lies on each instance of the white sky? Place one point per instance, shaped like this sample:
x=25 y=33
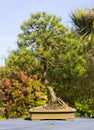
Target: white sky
x=14 y=12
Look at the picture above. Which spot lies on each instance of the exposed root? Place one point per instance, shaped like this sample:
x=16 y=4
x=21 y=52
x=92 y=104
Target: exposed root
x=58 y=105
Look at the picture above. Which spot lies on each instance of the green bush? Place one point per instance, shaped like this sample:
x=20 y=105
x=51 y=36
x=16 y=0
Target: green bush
x=85 y=108
x=19 y=92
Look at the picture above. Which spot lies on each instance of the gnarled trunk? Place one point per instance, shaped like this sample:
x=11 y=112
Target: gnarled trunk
x=52 y=94
x=47 y=84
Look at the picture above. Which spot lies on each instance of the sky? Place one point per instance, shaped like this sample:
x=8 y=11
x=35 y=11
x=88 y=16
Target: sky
x=14 y=12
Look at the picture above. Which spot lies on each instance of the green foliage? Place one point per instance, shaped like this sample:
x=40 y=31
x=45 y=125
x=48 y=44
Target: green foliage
x=83 y=21
x=19 y=92
x=52 y=47
x=85 y=108
x=21 y=59
x=41 y=29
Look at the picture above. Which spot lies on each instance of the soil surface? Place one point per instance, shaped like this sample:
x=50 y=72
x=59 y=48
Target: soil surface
x=58 y=105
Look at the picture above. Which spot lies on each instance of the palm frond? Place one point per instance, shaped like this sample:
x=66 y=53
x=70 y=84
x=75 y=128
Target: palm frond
x=83 y=21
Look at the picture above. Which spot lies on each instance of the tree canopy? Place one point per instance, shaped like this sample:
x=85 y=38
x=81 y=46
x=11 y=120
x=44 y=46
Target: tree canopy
x=49 y=45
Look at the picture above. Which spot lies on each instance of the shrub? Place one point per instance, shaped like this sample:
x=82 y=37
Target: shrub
x=19 y=92
x=85 y=108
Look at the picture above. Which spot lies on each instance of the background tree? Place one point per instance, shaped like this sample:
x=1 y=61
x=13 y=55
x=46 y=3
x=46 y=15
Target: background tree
x=83 y=21
x=84 y=24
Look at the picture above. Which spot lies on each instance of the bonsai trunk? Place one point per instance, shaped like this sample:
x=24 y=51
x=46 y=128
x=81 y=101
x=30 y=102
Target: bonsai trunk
x=50 y=89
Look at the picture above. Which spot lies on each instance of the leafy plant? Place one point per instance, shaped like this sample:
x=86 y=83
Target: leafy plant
x=19 y=92
x=85 y=108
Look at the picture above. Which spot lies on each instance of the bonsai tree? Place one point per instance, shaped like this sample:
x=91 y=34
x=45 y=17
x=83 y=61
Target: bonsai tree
x=55 y=55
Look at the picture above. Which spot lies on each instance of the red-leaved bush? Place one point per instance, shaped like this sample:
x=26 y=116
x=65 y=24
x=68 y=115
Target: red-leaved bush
x=19 y=92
